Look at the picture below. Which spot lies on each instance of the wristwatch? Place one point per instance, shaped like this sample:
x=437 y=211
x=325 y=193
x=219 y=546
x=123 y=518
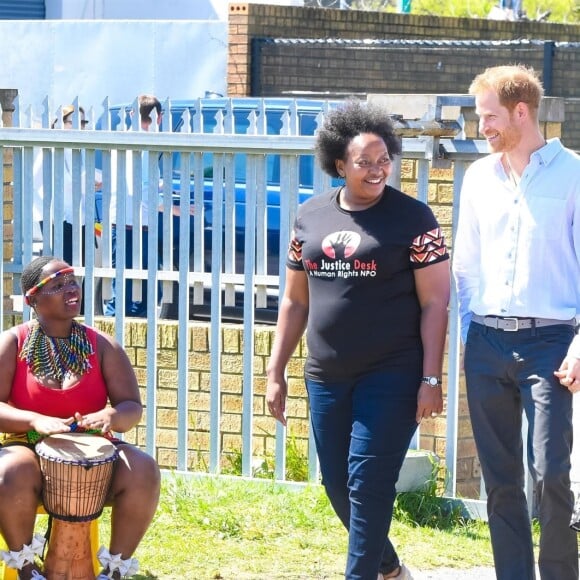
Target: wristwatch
x=432 y=381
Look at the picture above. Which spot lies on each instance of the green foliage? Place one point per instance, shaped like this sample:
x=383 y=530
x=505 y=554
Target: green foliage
x=263 y=467
x=427 y=508
x=296 y=461
x=453 y=8
x=561 y=11
x=377 y=5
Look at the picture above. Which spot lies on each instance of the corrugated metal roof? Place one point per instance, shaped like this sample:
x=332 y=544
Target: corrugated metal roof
x=22 y=10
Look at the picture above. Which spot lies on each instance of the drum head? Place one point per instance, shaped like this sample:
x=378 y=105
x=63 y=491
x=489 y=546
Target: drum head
x=77 y=448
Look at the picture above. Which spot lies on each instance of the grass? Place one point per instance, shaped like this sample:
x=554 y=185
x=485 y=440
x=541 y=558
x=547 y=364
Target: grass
x=230 y=528
x=222 y=528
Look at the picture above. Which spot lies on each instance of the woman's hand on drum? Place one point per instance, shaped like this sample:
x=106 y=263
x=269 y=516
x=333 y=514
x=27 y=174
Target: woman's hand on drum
x=51 y=425
x=101 y=421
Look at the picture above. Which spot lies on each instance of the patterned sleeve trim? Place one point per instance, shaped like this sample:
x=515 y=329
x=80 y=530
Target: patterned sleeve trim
x=295 y=254
x=428 y=247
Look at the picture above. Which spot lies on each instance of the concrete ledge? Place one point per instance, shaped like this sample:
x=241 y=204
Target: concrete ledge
x=417 y=470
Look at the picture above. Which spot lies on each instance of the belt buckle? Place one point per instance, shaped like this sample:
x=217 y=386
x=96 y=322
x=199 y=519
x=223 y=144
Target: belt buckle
x=516 y=322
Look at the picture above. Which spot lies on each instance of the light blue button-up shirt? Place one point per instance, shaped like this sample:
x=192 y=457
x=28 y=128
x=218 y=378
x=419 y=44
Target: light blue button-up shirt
x=517 y=248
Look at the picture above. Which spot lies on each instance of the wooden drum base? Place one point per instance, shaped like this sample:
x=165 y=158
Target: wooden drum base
x=69 y=554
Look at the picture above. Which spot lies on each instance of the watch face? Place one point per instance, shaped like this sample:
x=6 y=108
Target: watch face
x=431 y=381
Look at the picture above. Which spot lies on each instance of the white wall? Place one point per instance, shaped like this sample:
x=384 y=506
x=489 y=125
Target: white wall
x=147 y=9
x=94 y=59
x=137 y=9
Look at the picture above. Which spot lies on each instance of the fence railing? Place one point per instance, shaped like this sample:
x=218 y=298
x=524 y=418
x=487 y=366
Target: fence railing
x=233 y=260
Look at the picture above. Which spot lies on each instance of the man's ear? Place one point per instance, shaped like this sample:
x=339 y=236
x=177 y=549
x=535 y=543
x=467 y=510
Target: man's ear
x=522 y=110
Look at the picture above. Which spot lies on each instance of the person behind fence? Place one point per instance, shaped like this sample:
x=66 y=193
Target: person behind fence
x=368 y=279
x=517 y=269
x=68 y=112
x=58 y=375
x=134 y=307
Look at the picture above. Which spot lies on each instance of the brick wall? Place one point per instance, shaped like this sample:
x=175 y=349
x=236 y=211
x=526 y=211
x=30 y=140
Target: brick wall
x=199 y=392
x=433 y=431
x=394 y=68
x=7 y=97
x=248 y=21
x=572 y=106
x=278 y=50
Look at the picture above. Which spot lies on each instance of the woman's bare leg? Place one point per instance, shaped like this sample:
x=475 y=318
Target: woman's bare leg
x=135 y=495
x=20 y=495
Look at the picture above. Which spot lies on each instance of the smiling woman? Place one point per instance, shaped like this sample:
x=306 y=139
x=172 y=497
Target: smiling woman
x=59 y=376
x=368 y=279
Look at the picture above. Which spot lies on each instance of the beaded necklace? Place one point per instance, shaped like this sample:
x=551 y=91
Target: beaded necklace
x=57 y=358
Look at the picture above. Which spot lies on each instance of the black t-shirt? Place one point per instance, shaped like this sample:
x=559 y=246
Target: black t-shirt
x=364 y=314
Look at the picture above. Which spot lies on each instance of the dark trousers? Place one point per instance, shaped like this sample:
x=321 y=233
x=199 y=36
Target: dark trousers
x=137 y=308
x=67 y=242
x=363 y=428
x=508 y=372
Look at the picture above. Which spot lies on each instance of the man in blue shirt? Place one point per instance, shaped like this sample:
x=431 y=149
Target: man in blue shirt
x=517 y=268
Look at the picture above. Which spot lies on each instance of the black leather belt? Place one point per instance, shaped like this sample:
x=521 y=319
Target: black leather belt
x=513 y=324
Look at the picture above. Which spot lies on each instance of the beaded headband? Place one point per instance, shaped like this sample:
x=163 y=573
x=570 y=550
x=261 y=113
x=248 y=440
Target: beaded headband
x=45 y=281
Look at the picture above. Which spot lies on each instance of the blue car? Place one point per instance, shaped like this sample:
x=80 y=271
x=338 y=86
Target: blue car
x=236 y=116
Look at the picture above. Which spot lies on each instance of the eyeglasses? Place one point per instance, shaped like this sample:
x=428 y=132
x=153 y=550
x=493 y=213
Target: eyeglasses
x=67 y=281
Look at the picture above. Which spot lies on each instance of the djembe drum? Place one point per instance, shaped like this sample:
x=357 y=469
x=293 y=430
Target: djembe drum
x=77 y=469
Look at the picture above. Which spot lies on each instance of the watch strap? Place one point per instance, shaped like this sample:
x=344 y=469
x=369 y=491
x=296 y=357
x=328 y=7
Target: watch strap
x=432 y=381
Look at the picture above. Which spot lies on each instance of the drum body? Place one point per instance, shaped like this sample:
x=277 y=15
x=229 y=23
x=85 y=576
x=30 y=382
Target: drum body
x=77 y=471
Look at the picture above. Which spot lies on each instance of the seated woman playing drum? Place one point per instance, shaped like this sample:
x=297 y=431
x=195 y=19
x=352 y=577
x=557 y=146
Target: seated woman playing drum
x=58 y=376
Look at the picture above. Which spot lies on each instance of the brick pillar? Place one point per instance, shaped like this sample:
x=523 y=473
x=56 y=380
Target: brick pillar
x=238 y=72
x=7 y=97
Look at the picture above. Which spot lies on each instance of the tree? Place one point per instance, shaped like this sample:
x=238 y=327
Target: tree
x=562 y=11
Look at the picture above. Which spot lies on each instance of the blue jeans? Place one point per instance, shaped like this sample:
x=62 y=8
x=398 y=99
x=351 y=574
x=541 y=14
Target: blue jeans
x=508 y=372
x=362 y=428
x=132 y=307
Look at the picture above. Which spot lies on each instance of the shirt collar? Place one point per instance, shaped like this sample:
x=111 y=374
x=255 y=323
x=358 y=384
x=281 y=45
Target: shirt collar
x=548 y=152
x=543 y=156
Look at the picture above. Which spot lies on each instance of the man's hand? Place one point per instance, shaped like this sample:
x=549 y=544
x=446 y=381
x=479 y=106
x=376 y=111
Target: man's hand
x=569 y=374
